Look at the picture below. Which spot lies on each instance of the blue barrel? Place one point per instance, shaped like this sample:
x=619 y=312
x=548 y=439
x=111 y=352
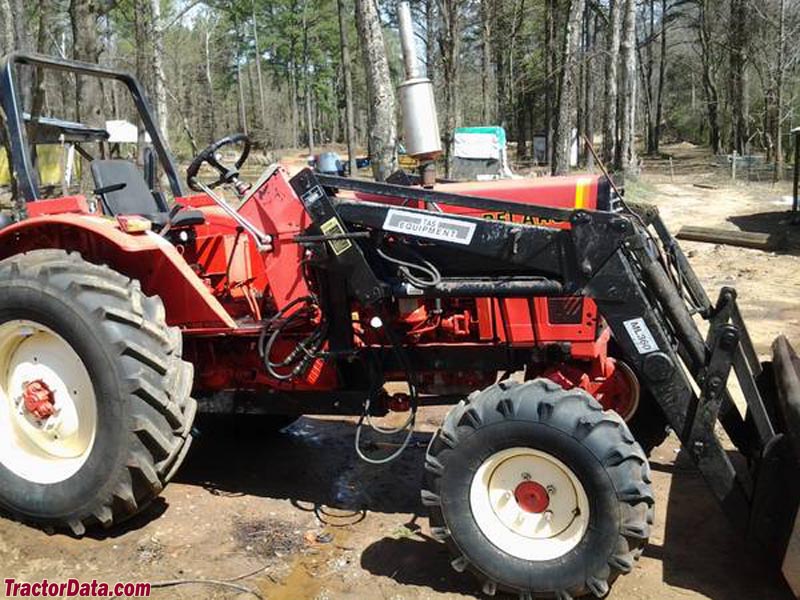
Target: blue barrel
x=329 y=163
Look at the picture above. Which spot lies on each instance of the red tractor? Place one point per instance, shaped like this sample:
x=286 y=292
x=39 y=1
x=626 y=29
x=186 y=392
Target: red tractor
x=119 y=313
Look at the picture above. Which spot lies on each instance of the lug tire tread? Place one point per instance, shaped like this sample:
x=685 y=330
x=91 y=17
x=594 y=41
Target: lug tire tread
x=576 y=413
x=155 y=380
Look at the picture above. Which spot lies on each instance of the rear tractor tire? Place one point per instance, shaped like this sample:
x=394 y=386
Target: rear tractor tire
x=538 y=491
x=95 y=406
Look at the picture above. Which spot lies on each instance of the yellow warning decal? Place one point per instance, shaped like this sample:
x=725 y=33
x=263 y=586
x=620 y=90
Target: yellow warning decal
x=333 y=227
x=582 y=191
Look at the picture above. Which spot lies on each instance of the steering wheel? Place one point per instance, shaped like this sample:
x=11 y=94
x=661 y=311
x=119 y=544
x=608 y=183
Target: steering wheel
x=226 y=174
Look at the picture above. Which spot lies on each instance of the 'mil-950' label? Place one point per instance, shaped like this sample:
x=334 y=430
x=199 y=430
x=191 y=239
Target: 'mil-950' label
x=641 y=336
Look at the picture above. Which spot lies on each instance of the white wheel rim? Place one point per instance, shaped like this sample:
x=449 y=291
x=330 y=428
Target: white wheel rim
x=555 y=526
x=54 y=448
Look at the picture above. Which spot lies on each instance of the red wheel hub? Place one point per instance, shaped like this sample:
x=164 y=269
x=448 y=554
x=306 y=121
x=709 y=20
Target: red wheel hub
x=39 y=399
x=532 y=497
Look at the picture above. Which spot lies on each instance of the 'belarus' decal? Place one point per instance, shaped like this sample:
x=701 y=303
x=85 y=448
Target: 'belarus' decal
x=641 y=336
x=429 y=226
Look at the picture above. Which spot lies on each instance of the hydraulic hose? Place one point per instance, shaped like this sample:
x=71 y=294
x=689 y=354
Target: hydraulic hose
x=410 y=421
x=306 y=349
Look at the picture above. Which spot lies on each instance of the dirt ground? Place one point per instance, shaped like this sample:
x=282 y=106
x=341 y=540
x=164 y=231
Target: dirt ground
x=297 y=516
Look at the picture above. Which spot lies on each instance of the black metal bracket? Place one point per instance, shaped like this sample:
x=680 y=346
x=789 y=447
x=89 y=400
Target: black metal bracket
x=390 y=190
x=346 y=253
x=704 y=411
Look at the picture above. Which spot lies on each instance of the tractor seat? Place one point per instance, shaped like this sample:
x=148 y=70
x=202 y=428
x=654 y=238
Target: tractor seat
x=123 y=191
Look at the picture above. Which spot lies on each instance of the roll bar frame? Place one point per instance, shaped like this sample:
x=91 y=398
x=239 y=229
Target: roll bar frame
x=21 y=163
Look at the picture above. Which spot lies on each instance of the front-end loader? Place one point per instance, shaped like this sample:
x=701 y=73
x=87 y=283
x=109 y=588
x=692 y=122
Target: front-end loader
x=120 y=312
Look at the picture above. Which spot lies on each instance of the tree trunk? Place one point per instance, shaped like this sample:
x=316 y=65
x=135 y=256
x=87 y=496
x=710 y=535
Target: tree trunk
x=580 y=87
x=22 y=41
x=661 y=77
x=210 y=130
x=255 y=123
x=159 y=84
x=588 y=125
x=6 y=46
x=350 y=126
x=38 y=96
x=430 y=39
x=779 y=90
x=514 y=83
x=141 y=33
x=240 y=86
x=449 y=44
x=259 y=77
x=645 y=63
x=522 y=127
x=7 y=41
x=610 y=96
x=382 y=123
x=566 y=109
x=487 y=79
x=501 y=56
x=89 y=98
x=551 y=63
x=182 y=113
x=307 y=83
x=709 y=85
x=309 y=114
x=647 y=79
x=37 y=87
x=293 y=97
x=737 y=41
x=628 y=125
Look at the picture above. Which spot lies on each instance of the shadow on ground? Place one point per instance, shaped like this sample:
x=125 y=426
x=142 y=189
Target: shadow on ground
x=151 y=513
x=416 y=561
x=312 y=463
x=784 y=233
x=702 y=551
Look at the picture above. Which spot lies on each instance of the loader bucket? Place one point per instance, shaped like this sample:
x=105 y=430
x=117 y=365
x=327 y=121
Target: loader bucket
x=761 y=494
x=786 y=369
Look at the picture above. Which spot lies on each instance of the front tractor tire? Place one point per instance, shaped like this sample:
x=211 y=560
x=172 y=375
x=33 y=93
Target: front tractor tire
x=538 y=491
x=95 y=406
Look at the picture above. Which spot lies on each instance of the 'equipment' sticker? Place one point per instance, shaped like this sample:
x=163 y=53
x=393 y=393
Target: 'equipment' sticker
x=429 y=226
x=640 y=335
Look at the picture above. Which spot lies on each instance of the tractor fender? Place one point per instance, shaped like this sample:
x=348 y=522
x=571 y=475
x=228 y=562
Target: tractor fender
x=146 y=256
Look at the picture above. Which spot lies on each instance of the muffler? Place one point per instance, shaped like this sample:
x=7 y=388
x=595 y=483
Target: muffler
x=420 y=122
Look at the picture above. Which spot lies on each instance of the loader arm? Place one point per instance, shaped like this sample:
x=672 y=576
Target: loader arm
x=645 y=290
